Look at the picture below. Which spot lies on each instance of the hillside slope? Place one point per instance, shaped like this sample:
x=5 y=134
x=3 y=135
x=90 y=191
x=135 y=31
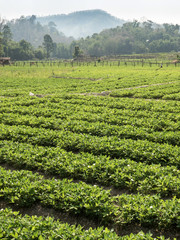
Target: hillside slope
x=82 y=23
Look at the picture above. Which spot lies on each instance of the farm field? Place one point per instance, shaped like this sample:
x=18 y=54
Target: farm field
x=90 y=151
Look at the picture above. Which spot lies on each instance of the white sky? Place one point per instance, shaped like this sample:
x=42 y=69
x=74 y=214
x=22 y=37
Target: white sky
x=160 y=11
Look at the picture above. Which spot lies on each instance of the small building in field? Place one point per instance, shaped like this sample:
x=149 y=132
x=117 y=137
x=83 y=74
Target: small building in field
x=5 y=60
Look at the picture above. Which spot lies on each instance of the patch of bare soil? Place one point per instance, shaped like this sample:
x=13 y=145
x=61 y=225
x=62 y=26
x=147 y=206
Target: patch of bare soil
x=65 y=77
x=135 y=229
x=86 y=223
x=106 y=93
x=6 y=97
x=36 y=95
x=38 y=210
x=39 y=95
x=145 y=86
x=113 y=191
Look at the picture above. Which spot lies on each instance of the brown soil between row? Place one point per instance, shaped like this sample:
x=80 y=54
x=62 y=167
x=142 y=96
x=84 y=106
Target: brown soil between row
x=86 y=223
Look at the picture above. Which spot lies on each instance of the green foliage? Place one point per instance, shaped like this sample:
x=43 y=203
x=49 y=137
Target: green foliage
x=39 y=53
x=82 y=23
x=48 y=45
x=1 y=45
x=133 y=38
x=33 y=32
x=17 y=51
x=125 y=173
x=123 y=141
x=23 y=188
x=7 y=35
x=77 y=52
x=20 y=51
x=15 y=226
x=113 y=146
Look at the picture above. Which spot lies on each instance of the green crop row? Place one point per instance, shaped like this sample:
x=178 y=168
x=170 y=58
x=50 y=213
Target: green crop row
x=15 y=226
x=138 y=150
x=23 y=188
x=83 y=101
x=95 y=128
x=153 y=120
x=110 y=78
x=173 y=96
x=113 y=103
x=122 y=142
x=54 y=117
x=150 y=92
x=41 y=79
x=98 y=120
x=120 y=173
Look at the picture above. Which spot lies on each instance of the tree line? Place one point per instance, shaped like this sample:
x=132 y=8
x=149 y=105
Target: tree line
x=131 y=38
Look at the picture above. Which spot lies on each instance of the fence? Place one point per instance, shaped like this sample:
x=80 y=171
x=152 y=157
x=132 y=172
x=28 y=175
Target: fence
x=97 y=62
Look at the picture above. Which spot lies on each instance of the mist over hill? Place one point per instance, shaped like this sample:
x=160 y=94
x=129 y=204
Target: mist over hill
x=82 y=23
x=97 y=34
x=30 y=30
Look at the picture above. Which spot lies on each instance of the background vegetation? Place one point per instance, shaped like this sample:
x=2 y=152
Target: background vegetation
x=26 y=38
x=113 y=129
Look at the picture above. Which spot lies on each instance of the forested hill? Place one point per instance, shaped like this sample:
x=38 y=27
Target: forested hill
x=82 y=23
x=133 y=37
x=30 y=30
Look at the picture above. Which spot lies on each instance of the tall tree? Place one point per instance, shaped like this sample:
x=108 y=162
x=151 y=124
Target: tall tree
x=2 y=22
x=32 y=19
x=52 y=27
x=48 y=45
x=6 y=39
x=25 y=45
x=77 y=52
x=1 y=46
x=6 y=32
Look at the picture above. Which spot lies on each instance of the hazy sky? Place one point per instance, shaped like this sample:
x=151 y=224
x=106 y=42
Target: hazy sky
x=160 y=11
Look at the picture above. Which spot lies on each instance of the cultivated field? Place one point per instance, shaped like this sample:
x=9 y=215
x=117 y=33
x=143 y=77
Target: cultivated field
x=91 y=149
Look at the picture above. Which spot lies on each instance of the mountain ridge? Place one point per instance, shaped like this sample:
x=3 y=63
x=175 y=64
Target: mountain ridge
x=82 y=23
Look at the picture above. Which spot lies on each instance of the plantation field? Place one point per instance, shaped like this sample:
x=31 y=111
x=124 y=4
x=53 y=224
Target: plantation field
x=90 y=151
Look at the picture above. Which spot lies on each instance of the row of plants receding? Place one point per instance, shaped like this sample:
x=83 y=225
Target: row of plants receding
x=120 y=92
x=97 y=128
x=146 y=119
x=112 y=146
x=67 y=111
x=113 y=103
x=116 y=81
x=24 y=188
x=120 y=173
x=53 y=117
x=84 y=101
x=15 y=226
x=157 y=92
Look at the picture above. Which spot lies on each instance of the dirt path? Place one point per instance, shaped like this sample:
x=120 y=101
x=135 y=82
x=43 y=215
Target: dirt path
x=106 y=93
x=79 y=78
